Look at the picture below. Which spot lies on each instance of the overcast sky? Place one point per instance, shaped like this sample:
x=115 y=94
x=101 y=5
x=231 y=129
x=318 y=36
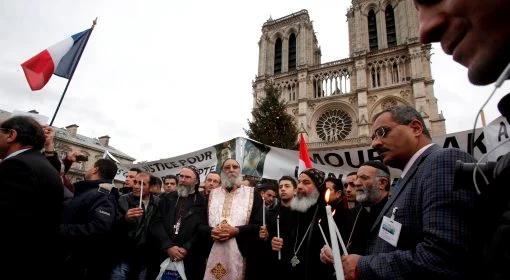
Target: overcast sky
x=164 y=78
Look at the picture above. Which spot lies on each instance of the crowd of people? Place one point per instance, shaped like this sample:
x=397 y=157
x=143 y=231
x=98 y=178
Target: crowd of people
x=417 y=227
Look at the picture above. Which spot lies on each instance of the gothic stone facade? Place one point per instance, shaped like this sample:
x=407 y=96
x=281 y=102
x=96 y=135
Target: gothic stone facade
x=335 y=101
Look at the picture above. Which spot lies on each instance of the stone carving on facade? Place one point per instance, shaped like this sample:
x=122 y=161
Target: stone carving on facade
x=372 y=99
x=353 y=100
x=311 y=106
x=389 y=103
x=405 y=94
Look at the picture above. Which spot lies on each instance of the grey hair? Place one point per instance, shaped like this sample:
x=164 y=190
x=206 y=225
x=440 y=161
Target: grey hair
x=382 y=174
x=404 y=114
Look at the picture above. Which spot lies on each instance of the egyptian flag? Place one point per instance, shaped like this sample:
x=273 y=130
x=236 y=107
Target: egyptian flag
x=60 y=59
x=304 y=159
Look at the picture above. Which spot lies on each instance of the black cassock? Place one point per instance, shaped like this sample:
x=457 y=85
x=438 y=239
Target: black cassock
x=302 y=243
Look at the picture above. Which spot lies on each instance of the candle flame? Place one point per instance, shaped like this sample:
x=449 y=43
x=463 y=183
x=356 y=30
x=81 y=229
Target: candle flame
x=326 y=196
x=319 y=221
x=333 y=214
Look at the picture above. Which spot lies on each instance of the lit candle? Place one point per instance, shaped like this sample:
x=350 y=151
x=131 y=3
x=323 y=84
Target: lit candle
x=322 y=232
x=278 y=234
x=141 y=192
x=339 y=272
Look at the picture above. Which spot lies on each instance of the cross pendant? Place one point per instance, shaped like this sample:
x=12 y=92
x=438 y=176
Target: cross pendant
x=294 y=261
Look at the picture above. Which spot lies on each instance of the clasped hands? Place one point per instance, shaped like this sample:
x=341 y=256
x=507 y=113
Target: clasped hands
x=224 y=232
x=176 y=253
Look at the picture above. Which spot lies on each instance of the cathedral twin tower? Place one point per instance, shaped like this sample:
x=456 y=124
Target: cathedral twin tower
x=335 y=101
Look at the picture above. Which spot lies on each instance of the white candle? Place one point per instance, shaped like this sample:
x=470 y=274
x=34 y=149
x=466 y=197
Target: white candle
x=141 y=192
x=339 y=236
x=323 y=235
x=278 y=234
x=337 y=263
x=263 y=212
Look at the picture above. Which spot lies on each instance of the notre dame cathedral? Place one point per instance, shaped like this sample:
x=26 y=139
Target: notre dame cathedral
x=335 y=101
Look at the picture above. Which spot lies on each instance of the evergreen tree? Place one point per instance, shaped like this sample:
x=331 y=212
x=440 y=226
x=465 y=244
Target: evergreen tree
x=271 y=124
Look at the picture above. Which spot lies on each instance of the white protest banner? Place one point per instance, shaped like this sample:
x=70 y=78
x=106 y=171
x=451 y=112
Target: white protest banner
x=205 y=160
x=259 y=160
x=496 y=133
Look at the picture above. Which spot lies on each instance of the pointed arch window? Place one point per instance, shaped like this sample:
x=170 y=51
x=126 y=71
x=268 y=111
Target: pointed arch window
x=372 y=31
x=278 y=56
x=292 y=52
x=391 y=34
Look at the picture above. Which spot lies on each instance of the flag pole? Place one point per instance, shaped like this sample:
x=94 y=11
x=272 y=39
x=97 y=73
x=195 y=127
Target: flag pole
x=94 y=22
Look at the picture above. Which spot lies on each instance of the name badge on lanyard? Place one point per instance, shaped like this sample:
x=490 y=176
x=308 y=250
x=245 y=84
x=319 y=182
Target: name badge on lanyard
x=390 y=229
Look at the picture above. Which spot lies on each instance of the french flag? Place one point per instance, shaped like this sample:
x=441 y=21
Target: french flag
x=60 y=59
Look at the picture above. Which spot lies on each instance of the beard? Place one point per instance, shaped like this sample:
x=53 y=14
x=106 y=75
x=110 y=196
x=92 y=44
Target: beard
x=303 y=203
x=184 y=191
x=367 y=195
x=230 y=182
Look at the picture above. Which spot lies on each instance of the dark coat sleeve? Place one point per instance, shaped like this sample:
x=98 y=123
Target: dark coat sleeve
x=55 y=162
x=158 y=225
x=101 y=219
x=248 y=239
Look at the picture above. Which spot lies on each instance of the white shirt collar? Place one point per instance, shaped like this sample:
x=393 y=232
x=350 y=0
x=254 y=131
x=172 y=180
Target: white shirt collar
x=413 y=159
x=16 y=153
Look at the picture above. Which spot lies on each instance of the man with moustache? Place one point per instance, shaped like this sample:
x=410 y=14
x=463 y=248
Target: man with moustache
x=181 y=215
x=138 y=249
x=424 y=230
x=476 y=34
x=300 y=240
x=372 y=189
x=234 y=217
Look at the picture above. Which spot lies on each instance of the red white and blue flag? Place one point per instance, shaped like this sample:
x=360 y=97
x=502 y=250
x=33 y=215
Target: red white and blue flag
x=304 y=158
x=60 y=59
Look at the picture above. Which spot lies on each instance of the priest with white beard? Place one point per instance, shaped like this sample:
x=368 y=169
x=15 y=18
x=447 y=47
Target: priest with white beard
x=300 y=239
x=234 y=216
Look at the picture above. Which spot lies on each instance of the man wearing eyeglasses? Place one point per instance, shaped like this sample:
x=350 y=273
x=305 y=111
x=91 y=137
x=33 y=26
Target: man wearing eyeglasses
x=424 y=230
x=31 y=196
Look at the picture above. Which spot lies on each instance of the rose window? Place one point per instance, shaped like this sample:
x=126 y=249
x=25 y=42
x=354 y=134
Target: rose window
x=334 y=125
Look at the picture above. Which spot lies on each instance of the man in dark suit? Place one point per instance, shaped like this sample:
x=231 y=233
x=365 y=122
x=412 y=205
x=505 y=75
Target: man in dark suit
x=424 y=230
x=31 y=195
x=477 y=36
x=176 y=226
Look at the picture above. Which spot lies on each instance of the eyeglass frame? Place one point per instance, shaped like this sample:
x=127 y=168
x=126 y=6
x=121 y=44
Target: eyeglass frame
x=385 y=131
